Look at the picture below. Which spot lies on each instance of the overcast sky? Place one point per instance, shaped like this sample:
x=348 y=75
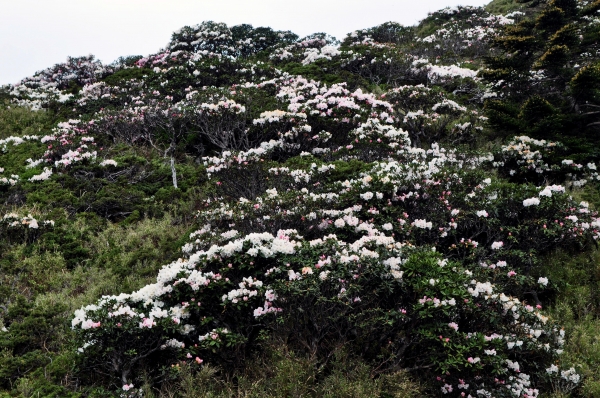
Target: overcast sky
x=36 y=34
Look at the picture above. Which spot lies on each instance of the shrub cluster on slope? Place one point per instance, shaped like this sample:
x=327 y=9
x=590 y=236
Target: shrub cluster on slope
x=339 y=201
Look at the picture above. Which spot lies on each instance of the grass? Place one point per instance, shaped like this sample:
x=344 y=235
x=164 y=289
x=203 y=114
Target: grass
x=21 y=121
x=576 y=306
x=502 y=6
x=278 y=372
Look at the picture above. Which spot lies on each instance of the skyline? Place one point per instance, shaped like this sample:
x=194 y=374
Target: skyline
x=36 y=34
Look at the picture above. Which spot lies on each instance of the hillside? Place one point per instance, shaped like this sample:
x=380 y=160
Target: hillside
x=403 y=212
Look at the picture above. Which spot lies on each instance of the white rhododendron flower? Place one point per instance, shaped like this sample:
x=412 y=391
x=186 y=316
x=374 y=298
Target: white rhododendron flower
x=531 y=202
x=497 y=245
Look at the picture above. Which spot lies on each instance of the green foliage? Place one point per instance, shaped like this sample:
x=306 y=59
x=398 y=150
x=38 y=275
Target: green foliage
x=125 y=75
x=139 y=248
x=551 y=20
x=585 y=83
x=24 y=350
x=553 y=58
x=567 y=36
x=536 y=108
x=49 y=284
x=18 y=121
x=279 y=372
x=576 y=305
x=317 y=71
x=392 y=32
x=553 y=42
x=592 y=8
x=503 y=6
x=539 y=118
x=263 y=39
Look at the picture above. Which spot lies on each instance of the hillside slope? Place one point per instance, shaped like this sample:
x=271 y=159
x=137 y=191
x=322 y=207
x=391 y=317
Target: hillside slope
x=409 y=211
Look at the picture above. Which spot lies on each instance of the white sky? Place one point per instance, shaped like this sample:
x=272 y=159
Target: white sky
x=36 y=34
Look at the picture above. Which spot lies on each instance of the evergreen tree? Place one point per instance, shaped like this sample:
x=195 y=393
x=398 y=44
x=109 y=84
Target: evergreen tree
x=545 y=69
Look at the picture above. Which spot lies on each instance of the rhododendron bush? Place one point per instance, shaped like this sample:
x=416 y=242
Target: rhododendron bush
x=415 y=260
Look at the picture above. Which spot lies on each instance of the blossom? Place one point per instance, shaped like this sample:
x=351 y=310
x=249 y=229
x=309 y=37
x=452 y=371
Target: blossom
x=108 y=162
x=323 y=275
x=147 y=323
x=127 y=387
x=497 y=245
x=307 y=271
x=462 y=385
x=570 y=375
x=514 y=365
x=293 y=275
x=424 y=224
x=33 y=223
x=411 y=180
x=43 y=176
x=367 y=195
x=543 y=281
x=546 y=192
x=531 y=202
x=446 y=388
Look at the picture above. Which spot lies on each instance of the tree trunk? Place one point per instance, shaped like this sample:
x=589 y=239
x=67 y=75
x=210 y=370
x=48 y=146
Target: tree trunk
x=173 y=172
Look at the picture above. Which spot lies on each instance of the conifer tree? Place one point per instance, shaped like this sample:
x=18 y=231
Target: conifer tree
x=545 y=69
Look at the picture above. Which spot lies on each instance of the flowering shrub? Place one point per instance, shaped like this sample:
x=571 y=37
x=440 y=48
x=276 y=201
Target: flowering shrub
x=526 y=159
x=16 y=229
x=416 y=261
x=53 y=84
x=464 y=30
x=429 y=116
